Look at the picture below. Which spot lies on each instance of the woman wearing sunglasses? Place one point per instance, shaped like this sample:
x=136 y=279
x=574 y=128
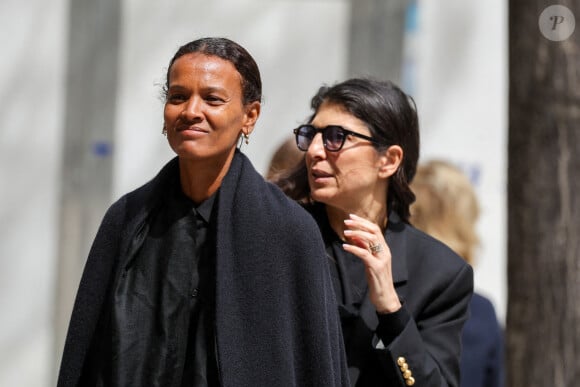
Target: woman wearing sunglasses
x=403 y=296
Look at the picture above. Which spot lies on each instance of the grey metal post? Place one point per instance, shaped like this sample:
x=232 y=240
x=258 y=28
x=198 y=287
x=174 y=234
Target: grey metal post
x=86 y=173
x=376 y=38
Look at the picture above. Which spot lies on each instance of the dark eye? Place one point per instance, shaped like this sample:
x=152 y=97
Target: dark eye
x=307 y=132
x=214 y=99
x=176 y=98
x=335 y=133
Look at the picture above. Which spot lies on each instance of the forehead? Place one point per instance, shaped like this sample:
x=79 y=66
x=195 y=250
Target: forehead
x=209 y=69
x=335 y=114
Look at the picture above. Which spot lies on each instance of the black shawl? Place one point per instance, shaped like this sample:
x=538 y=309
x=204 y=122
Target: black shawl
x=276 y=317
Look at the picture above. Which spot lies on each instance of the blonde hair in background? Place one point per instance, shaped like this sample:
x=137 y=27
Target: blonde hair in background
x=446 y=207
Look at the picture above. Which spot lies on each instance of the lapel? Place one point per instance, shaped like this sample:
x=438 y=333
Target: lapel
x=394 y=236
x=398 y=245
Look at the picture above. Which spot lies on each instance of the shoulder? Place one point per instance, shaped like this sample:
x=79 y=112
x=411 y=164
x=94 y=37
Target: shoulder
x=268 y=211
x=482 y=322
x=142 y=199
x=437 y=278
x=482 y=306
x=268 y=201
x=294 y=216
x=430 y=253
x=128 y=206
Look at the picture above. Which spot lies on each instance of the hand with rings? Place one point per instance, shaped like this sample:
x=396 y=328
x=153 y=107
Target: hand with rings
x=365 y=240
x=376 y=248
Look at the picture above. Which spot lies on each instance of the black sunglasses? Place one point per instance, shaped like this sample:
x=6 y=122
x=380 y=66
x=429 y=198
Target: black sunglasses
x=333 y=136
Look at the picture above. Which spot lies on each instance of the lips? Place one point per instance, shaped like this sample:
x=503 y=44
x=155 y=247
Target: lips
x=319 y=174
x=191 y=128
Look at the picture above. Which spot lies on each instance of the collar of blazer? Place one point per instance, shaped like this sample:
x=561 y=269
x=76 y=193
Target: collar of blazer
x=398 y=247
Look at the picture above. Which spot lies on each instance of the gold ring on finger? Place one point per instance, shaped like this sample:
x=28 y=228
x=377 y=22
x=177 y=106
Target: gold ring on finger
x=376 y=248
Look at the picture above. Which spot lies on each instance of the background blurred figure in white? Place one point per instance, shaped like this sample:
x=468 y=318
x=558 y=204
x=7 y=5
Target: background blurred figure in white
x=446 y=207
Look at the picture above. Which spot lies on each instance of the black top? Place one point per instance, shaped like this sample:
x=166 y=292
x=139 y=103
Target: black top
x=164 y=301
x=200 y=368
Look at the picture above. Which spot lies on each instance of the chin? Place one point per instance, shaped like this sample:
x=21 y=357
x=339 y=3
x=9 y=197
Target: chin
x=321 y=196
x=189 y=155
x=191 y=150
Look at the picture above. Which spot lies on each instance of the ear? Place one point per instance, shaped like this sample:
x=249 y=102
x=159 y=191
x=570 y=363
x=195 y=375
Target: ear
x=390 y=161
x=252 y=112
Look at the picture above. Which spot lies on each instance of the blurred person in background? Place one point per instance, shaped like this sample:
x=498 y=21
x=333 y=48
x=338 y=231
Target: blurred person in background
x=194 y=279
x=403 y=296
x=447 y=208
x=286 y=156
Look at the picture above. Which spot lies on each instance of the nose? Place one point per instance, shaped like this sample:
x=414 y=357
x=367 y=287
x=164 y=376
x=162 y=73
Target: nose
x=316 y=148
x=192 y=110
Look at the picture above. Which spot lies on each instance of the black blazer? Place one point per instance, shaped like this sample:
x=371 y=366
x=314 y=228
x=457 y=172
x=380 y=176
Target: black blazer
x=435 y=285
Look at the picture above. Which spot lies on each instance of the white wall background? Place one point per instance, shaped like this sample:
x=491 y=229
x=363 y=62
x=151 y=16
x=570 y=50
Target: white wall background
x=459 y=54
x=461 y=94
x=31 y=95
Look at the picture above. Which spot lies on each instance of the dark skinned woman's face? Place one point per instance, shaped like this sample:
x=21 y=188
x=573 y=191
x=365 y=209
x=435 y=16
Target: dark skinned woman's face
x=204 y=112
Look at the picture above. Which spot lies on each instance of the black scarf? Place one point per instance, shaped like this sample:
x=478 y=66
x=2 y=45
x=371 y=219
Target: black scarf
x=276 y=319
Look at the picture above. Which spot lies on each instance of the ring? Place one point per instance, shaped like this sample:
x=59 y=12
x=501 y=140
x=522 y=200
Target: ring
x=376 y=248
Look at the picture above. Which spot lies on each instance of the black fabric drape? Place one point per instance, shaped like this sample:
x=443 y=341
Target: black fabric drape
x=276 y=321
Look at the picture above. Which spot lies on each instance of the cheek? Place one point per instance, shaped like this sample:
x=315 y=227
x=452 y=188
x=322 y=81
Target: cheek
x=357 y=173
x=225 y=135
x=169 y=114
x=225 y=119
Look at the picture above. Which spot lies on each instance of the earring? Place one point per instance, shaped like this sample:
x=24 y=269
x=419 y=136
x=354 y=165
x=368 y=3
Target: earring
x=246 y=139
x=164 y=131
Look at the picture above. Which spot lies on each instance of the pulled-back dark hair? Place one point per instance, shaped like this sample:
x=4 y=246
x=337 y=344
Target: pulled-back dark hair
x=390 y=116
x=231 y=51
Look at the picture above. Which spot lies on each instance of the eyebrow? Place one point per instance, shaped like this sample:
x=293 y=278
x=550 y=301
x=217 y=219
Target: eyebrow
x=211 y=89
x=208 y=89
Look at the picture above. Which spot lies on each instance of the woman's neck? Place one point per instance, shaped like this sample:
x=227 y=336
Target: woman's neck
x=374 y=211
x=201 y=179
